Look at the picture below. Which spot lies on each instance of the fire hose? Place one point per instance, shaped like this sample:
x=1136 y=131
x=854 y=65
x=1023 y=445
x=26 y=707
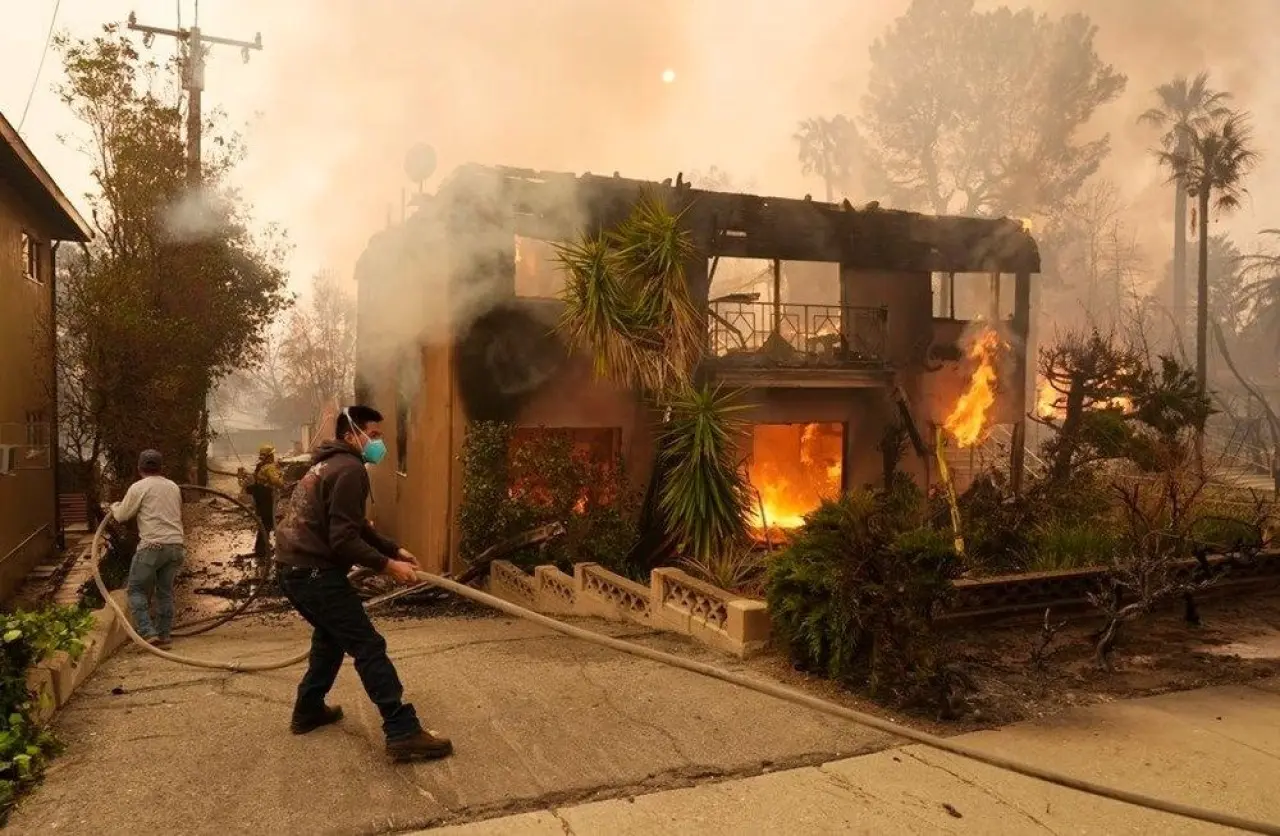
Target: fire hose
x=427 y=579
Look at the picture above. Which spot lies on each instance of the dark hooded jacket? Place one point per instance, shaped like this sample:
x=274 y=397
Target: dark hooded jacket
x=324 y=525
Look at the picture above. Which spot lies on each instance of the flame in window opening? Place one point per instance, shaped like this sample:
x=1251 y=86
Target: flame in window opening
x=793 y=468
x=970 y=417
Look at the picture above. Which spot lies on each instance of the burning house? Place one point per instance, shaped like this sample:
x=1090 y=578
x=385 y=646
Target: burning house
x=851 y=333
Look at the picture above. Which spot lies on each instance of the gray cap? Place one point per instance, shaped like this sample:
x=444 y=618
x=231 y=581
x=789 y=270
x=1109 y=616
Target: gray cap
x=150 y=460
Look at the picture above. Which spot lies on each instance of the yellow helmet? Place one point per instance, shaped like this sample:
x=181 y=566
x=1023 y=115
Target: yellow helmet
x=266 y=450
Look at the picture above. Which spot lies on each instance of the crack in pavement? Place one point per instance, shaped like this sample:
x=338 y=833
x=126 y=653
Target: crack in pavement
x=872 y=798
x=226 y=690
x=1002 y=801
x=679 y=778
x=564 y=823
x=607 y=697
x=157 y=688
x=405 y=775
x=118 y=705
x=432 y=651
x=159 y=736
x=1223 y=735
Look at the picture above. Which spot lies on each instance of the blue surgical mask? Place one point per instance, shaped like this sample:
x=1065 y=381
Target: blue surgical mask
x=375 y=450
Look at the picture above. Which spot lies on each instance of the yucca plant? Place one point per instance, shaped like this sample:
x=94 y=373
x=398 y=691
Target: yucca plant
x=628 y=305
x=627 y=302
x=706 y=496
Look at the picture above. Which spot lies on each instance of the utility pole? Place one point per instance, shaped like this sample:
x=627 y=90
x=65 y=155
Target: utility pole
x=193 y=82
x=193 y=77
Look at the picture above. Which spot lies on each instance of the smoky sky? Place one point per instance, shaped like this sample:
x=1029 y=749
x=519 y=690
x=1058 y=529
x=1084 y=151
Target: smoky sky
x=1151 y=41
x=343 y=88
x=576 y=85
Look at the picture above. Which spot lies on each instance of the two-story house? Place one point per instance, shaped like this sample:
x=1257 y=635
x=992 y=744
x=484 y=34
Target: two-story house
x=837 y=324
x=34 y=217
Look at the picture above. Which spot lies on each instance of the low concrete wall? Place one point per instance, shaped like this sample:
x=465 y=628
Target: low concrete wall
x=673 y=601
x=682 y=604
x=54 y=680
x=982 y=600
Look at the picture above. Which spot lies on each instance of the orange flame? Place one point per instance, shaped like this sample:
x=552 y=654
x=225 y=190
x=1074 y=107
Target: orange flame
x=1046 y=400
x=969 y=419
x=793 y=468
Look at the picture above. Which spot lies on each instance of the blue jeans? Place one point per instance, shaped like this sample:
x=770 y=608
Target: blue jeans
x=154 y=569
x=341 y=627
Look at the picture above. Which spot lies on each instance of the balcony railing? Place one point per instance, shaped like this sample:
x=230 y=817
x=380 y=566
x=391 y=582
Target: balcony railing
x=787 y=334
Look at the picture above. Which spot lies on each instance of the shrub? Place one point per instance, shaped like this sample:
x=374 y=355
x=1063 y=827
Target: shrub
x=734 y=569
x=1053 y=525
x=854 y=595
x=482 y=514
x=509 y=488
x=1225 y=534
x=25 y=639
x=996 y=526
x=1071 y=545
x=119 y=544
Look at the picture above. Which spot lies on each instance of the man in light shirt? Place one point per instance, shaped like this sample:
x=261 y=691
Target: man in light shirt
x=157 y=504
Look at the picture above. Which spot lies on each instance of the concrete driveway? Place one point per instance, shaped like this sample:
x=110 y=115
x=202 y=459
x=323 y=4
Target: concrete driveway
x=538 y=721
x=1215 y=748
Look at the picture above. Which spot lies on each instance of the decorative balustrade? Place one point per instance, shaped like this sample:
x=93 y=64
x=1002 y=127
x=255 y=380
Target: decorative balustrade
x=679 y=603
x=508 y=580
x=692 y=599
x=606 y=593
x=556 y=590
x=799 y=335
x=673 y=601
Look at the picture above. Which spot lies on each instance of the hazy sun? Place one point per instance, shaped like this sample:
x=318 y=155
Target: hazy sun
x=668 y=76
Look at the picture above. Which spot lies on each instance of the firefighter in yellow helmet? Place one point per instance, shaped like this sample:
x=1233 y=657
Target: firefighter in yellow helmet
x=267 y=479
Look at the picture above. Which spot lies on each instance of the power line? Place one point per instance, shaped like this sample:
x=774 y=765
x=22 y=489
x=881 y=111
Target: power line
x=35 y=82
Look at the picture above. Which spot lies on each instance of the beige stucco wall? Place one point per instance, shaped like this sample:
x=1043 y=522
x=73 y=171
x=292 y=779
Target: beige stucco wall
x=27 y=500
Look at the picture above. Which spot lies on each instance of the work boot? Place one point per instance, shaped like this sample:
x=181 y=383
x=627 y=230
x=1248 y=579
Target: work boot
x=301 y=724
x=423 y=746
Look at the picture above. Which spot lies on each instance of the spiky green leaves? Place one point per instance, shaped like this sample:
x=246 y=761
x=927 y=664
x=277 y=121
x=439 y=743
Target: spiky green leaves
x=706 y=496
x=627 y=302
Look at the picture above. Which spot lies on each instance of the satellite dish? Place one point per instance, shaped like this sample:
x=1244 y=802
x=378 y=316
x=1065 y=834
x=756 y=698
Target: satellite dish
x=420 y=163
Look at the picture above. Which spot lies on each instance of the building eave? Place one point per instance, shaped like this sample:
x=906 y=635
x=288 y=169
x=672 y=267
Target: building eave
x=24 y=173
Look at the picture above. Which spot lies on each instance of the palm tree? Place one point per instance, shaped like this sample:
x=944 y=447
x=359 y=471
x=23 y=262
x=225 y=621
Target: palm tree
x=1212 y=163
x=1261 y=272
x=826 y=150
x=628 y=305
x=1186 y=108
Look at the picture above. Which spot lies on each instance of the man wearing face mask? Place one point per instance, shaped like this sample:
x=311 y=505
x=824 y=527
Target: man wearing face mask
x=324 y=534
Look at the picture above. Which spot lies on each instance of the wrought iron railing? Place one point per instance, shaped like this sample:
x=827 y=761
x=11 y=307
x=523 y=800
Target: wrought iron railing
x=789 y=334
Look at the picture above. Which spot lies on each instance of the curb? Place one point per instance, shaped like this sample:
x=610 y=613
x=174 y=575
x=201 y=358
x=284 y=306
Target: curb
x=55 y=679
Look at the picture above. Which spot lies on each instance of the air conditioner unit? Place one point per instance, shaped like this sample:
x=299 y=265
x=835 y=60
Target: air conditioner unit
x=8 y=459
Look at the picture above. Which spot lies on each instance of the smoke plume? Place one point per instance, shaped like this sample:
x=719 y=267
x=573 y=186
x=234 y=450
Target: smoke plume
x=578 y=85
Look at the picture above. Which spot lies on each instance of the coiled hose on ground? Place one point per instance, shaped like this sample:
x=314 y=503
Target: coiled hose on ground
x=760 y=686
